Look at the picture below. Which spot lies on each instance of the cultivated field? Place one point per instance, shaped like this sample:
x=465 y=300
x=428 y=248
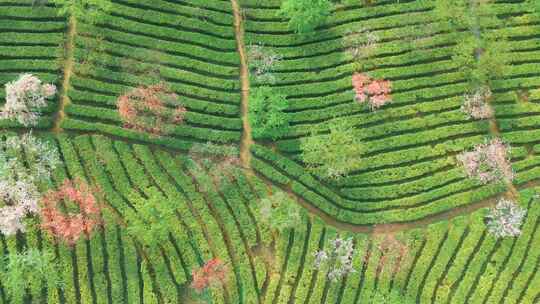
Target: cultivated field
x=416 y=219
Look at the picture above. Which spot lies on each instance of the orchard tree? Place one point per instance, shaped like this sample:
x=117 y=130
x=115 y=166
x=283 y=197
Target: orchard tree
x=213 y=163
x=505 y=219
x=376 y=92
x=89 y=11
x=488 y=162
x=27 y=270
x=212 y=272
x=280 y=211
x=305 y=15
x=19 y=194
x=262 y=61
x=266 y=113
x=476 y=104
x=70 y=227
x=153 y=109
x=333 y=154
x=337 y=259
x=154 y=219
x=25 y=97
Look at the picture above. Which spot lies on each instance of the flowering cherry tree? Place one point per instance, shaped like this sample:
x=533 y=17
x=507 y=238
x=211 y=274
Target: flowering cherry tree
x=376 y=92
x=505 y=219
x=24 y=98
x=488 y=162
x=70 y=227
x=475 y=104
x=19 y=194
x=338 y=257
x=211 y=273
x=145 y=109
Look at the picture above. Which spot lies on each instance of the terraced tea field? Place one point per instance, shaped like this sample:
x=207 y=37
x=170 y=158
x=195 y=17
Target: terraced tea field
x=417 y=221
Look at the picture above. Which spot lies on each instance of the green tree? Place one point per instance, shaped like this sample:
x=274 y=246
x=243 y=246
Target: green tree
x=305 y=15
x=89 y=11
x=333 y=154
x=28 y=270
x=154 y=220
x=280 y=211
x=266 y=113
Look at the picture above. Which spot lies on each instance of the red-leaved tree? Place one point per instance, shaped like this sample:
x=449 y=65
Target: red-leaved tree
x=69 y=227
x=212 y=272
x=376 y=92
x=148 y=109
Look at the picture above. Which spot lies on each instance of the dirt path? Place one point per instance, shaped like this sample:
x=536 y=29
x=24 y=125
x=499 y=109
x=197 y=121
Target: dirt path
x=68 y=68
x=247 y=140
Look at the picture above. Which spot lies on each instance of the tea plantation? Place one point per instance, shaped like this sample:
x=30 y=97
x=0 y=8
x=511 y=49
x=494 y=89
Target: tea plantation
x=184 y=182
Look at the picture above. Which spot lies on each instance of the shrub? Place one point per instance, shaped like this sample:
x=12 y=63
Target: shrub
x=338 y=257
x=71 y=226
x=375 y=92
x=332 y=155
x=488 y=162
x=266 y=113
x=476 y=104
x=213 y=272
x=505 y=219
x=280 y=211
x=144 y=109
x=24 y=98
x=20 y=270
x=18 y=190
x=261 y=63
x=89 y=11
x=305 y=15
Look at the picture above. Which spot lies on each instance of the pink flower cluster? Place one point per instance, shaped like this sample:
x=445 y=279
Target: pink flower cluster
x=374 y=91
x=488 y=162
x=70 y=227
x=476 y=106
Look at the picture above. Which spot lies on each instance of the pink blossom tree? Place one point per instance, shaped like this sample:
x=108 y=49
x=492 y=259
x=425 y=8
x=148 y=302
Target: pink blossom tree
x=148 y=109
x=488 y=162
x=213 y=272
x=24 y=98
x=70 y=227
x=376 y=92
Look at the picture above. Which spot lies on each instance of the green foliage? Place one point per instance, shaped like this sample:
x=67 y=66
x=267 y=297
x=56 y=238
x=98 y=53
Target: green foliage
x=90 y=11
x=481 y=54
x=305 y=15
x=332 y=155
x=266 y=113
x=154 y=220
x=20 y=271
x=391 y=297
x=280 y=211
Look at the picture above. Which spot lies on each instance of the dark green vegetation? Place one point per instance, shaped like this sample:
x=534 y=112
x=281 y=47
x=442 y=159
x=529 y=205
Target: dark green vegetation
x=407 y=170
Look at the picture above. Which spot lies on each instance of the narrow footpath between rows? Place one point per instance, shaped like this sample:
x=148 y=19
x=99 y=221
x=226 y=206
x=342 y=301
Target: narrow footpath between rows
x=63 y=98
x=247 y=140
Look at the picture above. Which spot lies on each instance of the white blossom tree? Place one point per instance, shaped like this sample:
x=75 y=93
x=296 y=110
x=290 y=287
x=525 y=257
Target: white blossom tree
x=24 y=99
x=19 y=194
x=505 y=219
x=338 y=257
